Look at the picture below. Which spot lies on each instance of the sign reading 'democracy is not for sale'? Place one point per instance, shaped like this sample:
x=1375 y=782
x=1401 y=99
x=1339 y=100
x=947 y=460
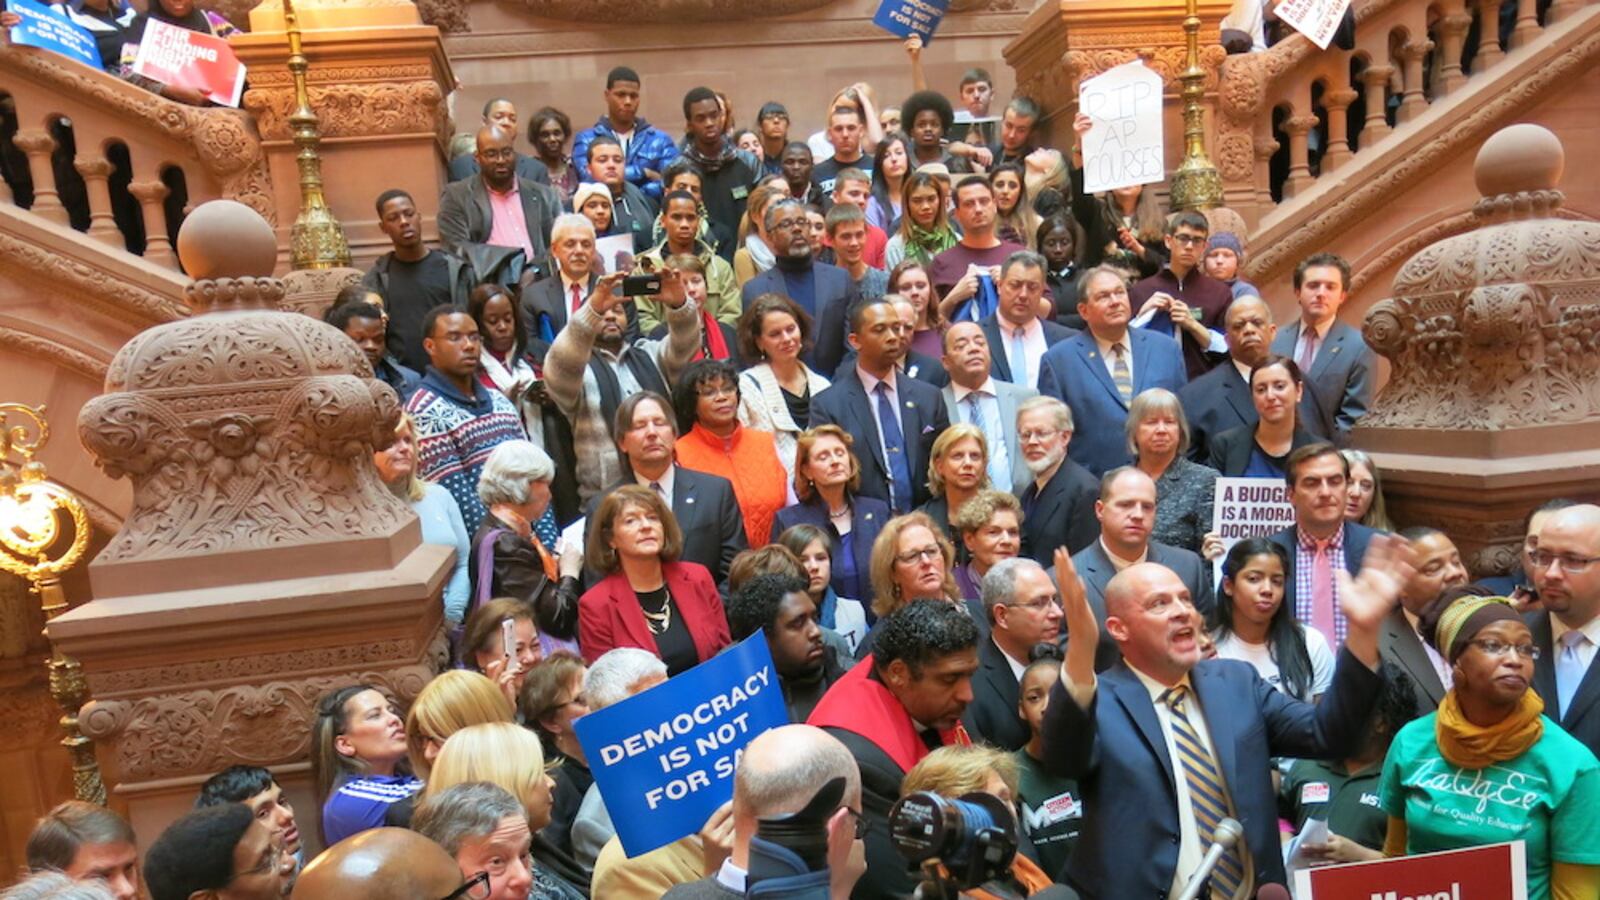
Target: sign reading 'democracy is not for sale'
x=1247 y=508
x=1491 y=872
x=1125 y=147
x=664 y=759
x=184 y=58
x=1316 y=19
x=903 y=18
x=47 y=29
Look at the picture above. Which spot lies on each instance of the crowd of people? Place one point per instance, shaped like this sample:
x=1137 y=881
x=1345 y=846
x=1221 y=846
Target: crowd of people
x=945 y=431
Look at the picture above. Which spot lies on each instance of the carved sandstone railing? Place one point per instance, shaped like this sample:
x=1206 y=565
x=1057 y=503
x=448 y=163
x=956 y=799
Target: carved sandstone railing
x=1291 y=116
x=132 y=151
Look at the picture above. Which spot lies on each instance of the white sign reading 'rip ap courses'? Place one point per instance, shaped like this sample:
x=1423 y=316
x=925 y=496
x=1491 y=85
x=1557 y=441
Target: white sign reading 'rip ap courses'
x=1125 y=147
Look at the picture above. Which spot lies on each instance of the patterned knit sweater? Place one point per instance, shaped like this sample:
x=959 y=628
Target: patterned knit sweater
x=455 y=435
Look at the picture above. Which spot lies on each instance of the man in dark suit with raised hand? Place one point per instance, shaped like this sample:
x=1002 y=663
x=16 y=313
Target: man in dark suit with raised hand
x=1098 y=372
x=1338 y=365
x=1166 y=745
x=1219 y=400
x=895 y=419
x=1566 y=570
x=1023 y=611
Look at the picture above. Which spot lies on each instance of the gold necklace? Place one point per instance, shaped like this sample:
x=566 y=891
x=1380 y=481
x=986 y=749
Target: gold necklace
x=658 y=622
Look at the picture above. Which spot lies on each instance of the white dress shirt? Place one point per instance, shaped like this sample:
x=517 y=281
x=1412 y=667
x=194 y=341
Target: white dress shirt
x=1026 y=370
x=666 y=481
x=869 y=383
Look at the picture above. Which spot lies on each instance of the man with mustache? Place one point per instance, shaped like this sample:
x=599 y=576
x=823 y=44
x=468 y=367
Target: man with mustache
x=1165 y=746
x=1219 y=400
x=825 y=292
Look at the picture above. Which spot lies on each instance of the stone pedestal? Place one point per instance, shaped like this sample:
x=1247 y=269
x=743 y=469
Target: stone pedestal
x=1493 y=337
x=263 y=562
x=379 y=92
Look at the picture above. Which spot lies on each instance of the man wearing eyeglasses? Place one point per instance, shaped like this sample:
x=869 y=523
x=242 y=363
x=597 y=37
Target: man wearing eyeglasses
x=825 y=292
x=778 y=775
x=1023 y=610
x=1181 y=300
x=1058 y=504
x=220 y=851
x=488 y=219
x=486 y=829
x=1127 y=512
x=1566 y=571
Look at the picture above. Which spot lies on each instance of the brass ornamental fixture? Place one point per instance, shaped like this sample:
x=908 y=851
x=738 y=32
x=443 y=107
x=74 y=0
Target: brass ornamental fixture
x=316 y=241
x=37 y=545
x=1196 y=185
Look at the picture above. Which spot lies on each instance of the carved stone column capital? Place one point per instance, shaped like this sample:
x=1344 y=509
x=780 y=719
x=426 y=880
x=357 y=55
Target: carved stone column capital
x=1300 y=126
x=98 y=167
x=148 y=192
x=34 y=141
x=1376 y=76
x=1414 y=51
x=1339 y=99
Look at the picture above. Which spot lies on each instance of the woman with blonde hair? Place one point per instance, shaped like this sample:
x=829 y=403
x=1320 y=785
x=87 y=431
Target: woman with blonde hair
x=437 y=510
x=1365 y=504
x=454 y=700
x=911 y=560
x=826 y=476
x=511 y=757
x=958 y=468
x=954 y=771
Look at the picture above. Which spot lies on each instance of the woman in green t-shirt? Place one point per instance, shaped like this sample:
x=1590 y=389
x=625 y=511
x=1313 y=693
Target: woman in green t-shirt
x=1488 y=767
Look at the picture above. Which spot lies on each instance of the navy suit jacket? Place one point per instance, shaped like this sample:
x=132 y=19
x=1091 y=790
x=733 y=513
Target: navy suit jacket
x=1581 y=718
x=922 y=418
x=1339 y=385
x=920 y=366
x=999 y=360
x=867 y=518
x=1118 y=753
x=707 y=513
x=835 y=293
x=1074 y=372
x=1356 y=539
x=992 y=715
x=1216 y=402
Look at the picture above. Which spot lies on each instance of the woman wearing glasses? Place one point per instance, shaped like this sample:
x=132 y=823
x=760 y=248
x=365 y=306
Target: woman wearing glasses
x=552 y=700
x=706 y=401
x=912 y=560
x=1488 y=766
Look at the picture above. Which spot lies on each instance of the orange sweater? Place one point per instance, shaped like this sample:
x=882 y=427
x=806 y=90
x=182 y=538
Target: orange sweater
x=749 y=459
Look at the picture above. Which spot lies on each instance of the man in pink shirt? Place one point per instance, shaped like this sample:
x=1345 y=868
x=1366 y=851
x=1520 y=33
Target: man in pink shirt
x=498 y=222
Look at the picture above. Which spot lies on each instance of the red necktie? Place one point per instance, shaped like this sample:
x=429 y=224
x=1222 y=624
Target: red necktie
x=577 y=298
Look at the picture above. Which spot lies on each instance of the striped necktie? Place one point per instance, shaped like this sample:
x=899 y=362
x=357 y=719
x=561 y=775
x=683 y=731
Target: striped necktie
x=1208 y=795
x=1119 y=372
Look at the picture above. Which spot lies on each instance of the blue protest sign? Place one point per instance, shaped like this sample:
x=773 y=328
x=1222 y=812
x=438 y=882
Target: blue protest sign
x=903 y=18
x=664 y=759
x=42 y=27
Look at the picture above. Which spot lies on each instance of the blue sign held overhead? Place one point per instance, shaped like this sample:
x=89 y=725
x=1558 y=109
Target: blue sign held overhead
x=43 y=27
x=903 y=18
x=664 y=759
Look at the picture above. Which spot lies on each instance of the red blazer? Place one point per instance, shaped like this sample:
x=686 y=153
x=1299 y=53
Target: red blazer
x=609 y=614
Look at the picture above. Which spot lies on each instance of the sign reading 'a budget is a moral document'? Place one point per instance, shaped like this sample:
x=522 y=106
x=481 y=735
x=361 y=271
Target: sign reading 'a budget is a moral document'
x=664 y=759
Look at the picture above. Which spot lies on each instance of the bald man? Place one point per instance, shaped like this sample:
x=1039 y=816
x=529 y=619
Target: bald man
x=498 y=222
x=1565 y=568
x=779 y=773
x=380 y=864
x=1171 y=729
x=1220 y=400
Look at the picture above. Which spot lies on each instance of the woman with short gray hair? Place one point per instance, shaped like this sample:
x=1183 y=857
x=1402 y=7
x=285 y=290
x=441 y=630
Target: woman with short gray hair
x=1158 y=438
x=509 y=560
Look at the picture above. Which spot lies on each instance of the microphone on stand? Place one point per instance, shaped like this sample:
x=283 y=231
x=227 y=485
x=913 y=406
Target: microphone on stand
x=1223 y=837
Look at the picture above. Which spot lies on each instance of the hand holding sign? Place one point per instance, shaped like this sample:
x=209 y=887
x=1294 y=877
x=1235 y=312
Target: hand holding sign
x=178 y=57
x=1316 y=19
x=905 y=18
x=34 y=24
x=1124 y=146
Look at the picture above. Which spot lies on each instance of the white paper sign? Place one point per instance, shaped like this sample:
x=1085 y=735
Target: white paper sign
x=1247 y=508
x=615 y=252
x=1125 y=146
x=1316 y=19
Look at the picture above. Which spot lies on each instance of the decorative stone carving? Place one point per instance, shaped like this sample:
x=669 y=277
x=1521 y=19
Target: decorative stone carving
x=242 y=427
x=122 y=299
x=354 y=109
x=312 y=291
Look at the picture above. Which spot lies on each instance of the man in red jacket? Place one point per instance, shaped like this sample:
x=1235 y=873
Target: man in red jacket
x=901 y=702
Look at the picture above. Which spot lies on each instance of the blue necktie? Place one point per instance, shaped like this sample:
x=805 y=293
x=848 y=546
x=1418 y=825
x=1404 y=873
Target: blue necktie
x=894 y=450
x=1019 y=358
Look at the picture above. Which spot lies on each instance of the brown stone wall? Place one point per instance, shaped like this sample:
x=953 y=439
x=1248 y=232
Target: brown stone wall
x=800 y=59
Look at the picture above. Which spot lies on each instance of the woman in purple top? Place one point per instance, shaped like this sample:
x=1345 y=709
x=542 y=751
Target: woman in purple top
x=991 y=529
x=358 y=761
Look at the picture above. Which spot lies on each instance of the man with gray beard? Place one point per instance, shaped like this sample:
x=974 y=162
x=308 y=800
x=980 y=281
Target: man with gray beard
x=1058 y=506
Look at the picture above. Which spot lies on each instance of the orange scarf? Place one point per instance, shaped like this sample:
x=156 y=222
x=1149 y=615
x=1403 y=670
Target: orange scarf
x=1470 y=746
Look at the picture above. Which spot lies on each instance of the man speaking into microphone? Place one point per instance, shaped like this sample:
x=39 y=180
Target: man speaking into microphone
x=1166 y=746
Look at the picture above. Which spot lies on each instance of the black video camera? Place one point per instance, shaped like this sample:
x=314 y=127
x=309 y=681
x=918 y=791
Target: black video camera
x=973 y=836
